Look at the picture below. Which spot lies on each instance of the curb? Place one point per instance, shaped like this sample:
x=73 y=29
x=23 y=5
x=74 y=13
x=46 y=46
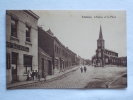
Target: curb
x=49 y=80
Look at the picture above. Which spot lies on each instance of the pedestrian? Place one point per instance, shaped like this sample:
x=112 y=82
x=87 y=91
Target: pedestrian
x=28 y=75
x=36 y=74
x=33 y=75
x=81 y=69
x=85 y=69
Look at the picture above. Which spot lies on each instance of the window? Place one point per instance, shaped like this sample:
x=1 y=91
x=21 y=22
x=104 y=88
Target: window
x=59 y=50
x=56 y=62
x=14 y=27
x=55 y=48
x=14 y=58
x=27 y=60
x=28 y=30
x=8 y=65
x=99 y=54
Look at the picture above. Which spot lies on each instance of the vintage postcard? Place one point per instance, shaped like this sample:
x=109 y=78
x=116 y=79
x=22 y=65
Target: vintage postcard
x=66 y=49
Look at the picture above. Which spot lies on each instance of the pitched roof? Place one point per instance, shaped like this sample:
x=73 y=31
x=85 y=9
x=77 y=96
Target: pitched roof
x=100 y=33
x=50 y=32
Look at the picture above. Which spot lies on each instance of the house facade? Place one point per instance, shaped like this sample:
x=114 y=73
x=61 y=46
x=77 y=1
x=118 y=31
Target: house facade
x=21 y=43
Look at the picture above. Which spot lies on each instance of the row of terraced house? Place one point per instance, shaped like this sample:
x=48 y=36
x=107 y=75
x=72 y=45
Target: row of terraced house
x=31 y=48
x=60 y=57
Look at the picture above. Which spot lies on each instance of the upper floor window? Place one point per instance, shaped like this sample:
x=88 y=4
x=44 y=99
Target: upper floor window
x=28 y=31
x=55 y=48
x=14 y=27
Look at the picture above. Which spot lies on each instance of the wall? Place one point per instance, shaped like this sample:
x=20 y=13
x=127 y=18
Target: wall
x=23 y=19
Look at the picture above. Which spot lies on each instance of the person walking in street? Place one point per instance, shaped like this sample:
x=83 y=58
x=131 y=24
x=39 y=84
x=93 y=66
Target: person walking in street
x=81 y=69
x=85 y=69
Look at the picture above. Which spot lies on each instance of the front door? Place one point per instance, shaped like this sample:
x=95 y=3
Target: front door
x=98 y=63
x=42 y=68
x=49 y=67
x=60 y=64
x=14 y=66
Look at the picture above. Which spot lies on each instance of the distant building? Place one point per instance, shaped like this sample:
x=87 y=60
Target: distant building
x=104 y=56
x=81 y=61
x=21 y=43
x=88 y=61
x=122 y=61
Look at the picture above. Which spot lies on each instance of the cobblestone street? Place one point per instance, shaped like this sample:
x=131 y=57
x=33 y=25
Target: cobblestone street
x=95 y=77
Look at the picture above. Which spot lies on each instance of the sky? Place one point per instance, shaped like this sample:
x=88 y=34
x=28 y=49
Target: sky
x=79 y=30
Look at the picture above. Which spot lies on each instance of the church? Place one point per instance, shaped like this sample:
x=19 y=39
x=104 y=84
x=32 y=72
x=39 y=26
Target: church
x=106 y=57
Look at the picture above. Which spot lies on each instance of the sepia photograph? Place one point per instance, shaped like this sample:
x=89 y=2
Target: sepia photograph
x=66 y=49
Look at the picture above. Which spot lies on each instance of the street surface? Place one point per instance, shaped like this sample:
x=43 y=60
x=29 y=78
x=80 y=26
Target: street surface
x=95 y=77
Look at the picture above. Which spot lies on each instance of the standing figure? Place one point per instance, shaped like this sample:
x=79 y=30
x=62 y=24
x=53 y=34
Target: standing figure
x=85 y=69
x=81 y=69
x=28 y=75
x=45 y=75
x=36 y=74
x=33 y=75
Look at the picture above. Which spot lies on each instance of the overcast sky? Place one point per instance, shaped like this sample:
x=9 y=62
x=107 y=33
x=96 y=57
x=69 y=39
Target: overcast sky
x=79 y=30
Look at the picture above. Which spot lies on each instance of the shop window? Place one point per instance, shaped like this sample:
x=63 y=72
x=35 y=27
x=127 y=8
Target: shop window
x=28 y=62
x=28 y=33
x=14 y=23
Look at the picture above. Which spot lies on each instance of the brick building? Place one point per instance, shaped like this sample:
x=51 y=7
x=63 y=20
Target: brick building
x=104 y=56
x=44 y=63
x=45 y=44
x=21 y=43
x=62 y=57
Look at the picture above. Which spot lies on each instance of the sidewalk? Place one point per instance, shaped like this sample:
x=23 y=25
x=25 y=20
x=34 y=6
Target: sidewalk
x=49 y=78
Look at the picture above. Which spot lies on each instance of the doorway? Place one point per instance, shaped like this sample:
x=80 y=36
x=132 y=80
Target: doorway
x=14 y=66
x=42 y=67
x=49 y=68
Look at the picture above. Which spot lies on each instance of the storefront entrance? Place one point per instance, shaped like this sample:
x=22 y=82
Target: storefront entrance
x=14 y=66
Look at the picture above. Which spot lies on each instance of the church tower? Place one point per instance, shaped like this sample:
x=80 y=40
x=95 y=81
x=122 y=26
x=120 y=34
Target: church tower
x=100 y=41
x=100 y=50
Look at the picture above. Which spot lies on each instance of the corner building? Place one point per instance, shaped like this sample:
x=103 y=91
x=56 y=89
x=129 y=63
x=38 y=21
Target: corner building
x=21 y=43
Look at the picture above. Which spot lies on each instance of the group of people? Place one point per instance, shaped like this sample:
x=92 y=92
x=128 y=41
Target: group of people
x=32 y=75
x=83 y=69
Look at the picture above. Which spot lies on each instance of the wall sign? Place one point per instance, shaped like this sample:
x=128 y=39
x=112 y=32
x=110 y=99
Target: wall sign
x=16 y=46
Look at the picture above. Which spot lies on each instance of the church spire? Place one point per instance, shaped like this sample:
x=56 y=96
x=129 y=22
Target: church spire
x=100 y=34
